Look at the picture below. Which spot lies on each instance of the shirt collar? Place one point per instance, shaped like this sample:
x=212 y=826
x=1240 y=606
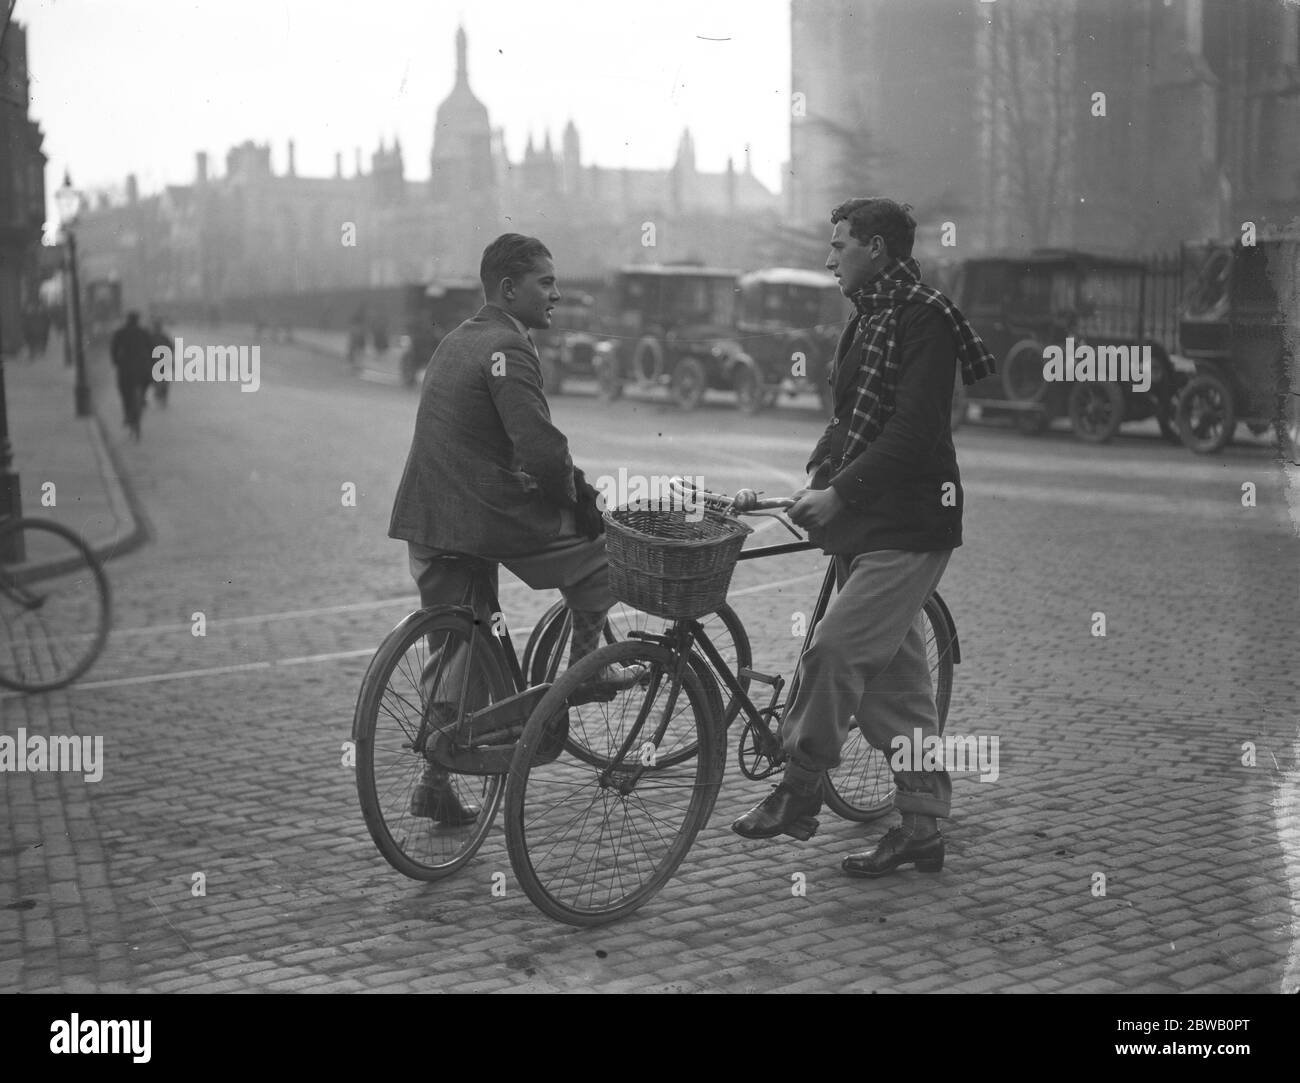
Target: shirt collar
x=512 y=318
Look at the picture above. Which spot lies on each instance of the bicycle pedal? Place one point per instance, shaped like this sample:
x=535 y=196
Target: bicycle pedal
x=745 y=673
x=803 y=829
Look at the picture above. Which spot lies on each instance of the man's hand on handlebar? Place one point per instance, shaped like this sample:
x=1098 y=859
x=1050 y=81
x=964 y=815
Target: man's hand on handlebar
x=815 y=507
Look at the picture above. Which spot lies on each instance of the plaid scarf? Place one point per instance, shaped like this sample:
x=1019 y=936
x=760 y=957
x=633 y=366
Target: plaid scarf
x=877 y=304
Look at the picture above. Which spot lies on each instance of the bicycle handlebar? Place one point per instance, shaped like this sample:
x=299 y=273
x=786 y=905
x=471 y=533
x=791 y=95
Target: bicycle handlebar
x=745 y=502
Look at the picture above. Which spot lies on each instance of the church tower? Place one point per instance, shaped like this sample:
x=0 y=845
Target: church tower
x=682 y=181
x=462 y=179
x=571 y=162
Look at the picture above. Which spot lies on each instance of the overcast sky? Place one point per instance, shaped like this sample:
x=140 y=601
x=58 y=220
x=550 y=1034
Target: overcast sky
x=122 y=86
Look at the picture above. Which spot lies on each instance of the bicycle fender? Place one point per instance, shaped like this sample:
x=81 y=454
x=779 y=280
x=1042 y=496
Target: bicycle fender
x=952 y=627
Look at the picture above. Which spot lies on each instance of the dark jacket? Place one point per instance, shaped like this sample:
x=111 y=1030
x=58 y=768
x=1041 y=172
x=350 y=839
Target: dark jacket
x=131 y=349
x=894 y=490
x=487 y=473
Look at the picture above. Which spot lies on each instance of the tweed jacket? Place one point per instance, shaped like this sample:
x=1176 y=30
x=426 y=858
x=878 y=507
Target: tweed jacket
x=487 y=473
x=904 y=490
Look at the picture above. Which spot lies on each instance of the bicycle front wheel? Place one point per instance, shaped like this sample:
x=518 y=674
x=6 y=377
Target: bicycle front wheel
x=548 y=646
x=427 y=821
x=861 y=788
x=592 y=841
x=55 y=605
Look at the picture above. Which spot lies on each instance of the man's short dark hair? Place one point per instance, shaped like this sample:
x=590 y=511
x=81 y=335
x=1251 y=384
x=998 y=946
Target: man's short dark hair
x=512 y=255
x=874 y=216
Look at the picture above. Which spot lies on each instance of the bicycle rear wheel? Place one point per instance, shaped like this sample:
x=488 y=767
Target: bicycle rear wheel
x=861 y=788
x=547 y=654
x=591 y=843
x=55 y=605
x=421 y=675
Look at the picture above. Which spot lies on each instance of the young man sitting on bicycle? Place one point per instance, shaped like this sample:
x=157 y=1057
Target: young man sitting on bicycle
x=490 y=477
x=884 y=498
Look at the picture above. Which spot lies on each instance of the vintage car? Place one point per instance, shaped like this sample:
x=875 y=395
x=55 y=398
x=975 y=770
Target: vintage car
x=1239 y=326
x=431 y=310
x=787 y=326
x=668 y=319
x=1023 y=304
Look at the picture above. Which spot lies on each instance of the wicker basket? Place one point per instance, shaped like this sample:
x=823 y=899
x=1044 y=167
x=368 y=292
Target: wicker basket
x=667 y=565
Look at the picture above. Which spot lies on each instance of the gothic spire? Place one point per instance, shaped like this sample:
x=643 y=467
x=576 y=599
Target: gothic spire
x=462 y=68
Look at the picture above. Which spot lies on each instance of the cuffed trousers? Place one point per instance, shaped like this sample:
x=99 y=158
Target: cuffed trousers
x=867 y=666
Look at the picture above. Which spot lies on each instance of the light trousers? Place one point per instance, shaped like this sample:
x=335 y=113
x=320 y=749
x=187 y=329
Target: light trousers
x=867 y=666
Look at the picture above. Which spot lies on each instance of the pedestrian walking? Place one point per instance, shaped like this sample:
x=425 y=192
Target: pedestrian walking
x=131 y=349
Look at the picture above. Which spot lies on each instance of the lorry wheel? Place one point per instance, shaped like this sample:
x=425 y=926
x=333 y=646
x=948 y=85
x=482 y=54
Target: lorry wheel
x=1206 y=414
x=1022 y=370
x=1096 y=411
x=648 y=359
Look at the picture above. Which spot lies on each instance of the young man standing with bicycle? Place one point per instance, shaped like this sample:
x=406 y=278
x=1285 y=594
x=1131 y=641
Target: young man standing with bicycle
x=490 y=477
x=884 y=498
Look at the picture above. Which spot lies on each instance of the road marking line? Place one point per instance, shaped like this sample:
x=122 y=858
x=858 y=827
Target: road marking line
x=214 y=671
x=514 y=586
x=312 y=659
x=291 y=614
x=381 y=376
x=1227 y=512
x=258 y=618
x=308 y=659
x=1180 y=468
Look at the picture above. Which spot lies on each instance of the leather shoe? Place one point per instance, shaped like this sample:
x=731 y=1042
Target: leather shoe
x=897 y=849
x=782 y=812
x=434 y=798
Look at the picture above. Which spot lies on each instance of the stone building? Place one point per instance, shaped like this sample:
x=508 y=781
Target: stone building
x=22 y=187
x=259 y=230
x=1124 y=125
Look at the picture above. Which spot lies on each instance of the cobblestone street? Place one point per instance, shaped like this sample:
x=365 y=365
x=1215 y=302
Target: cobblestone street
x=223 y=754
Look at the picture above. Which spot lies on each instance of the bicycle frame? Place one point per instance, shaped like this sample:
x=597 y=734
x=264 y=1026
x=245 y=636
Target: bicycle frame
x=685 y=635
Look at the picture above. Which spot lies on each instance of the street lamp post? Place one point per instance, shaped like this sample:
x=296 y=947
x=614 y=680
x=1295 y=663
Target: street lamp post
x=68 y=202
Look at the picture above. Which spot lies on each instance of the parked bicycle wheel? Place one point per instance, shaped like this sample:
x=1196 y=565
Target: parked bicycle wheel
x=861 y=788
x=422 y=681
x=547 y=655
x=55 y=605
x=592 y=843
